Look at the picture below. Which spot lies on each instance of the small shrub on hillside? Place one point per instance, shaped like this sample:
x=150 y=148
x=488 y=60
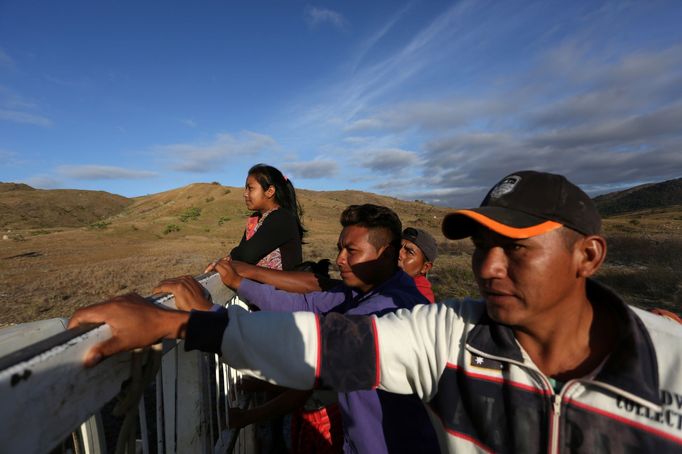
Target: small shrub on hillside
x=226 y=191
x=646 y=287
x=39 y=232
x=171 y=228
x=632 y=250
x=209 y=199
x=215 y=183
x=190 y=214
x=100 y=225
x=644 y=271
x=453 y=280
x=459 y=247
x=223 y=219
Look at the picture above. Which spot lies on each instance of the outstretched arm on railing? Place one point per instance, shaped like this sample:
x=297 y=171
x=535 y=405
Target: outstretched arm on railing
x=289 y=281
x=405 y=352
x=134 y=323
x=231 y=272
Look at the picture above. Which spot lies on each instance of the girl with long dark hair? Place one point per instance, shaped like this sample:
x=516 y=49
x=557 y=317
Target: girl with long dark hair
x=274 y=232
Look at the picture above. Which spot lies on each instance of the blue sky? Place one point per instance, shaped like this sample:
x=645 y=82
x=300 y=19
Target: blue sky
x=428 y=100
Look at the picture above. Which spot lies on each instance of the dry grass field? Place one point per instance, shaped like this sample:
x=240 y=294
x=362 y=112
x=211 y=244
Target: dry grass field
x=644 y=260
x=50 y=270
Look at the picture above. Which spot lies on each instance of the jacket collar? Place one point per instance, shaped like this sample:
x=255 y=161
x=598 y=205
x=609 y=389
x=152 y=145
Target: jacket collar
x=399 y=279
x=632 y=366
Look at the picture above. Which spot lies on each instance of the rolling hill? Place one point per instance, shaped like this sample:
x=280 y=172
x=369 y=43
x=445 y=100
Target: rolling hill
x=650 y=196
x=193 y=208
x=68 y=248
x=23 y=207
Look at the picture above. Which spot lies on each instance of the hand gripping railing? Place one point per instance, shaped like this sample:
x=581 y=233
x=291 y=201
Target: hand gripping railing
x=46 y=394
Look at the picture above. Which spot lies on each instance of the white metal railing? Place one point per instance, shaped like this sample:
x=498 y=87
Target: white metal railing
x=48 y=396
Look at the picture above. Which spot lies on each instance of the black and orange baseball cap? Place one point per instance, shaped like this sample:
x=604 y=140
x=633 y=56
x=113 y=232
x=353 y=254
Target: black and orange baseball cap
x=525 y=204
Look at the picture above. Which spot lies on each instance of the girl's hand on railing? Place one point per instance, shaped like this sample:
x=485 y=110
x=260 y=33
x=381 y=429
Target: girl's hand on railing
x=211 y=266
x=228 y=273
x=188 y=293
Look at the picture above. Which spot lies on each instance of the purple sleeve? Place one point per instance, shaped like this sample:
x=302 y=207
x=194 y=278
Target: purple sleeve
x=268 y=298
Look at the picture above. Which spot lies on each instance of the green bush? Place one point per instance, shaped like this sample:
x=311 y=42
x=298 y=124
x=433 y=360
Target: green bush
x=171 y=228
x=209 y=199
x=190 y=214
x=223 y=219
x=99 y=225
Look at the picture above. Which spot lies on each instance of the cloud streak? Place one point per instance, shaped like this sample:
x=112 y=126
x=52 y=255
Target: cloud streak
x=322 y=168
x=392 y=160
x=5 y=60
x=207 y=157
x=43 y=182
x=16 y=116
x=99 y=172
x=315 y=17
x=602 y=125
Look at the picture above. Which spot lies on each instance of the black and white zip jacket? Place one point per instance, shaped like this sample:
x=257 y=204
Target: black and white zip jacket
x=483 y=392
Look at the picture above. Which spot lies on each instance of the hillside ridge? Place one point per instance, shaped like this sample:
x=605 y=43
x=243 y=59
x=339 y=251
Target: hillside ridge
x=648 y=196
x=24 y=207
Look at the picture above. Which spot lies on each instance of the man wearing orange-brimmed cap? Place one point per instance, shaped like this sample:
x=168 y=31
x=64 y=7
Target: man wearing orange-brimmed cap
x=548 y=360
x=526 y=204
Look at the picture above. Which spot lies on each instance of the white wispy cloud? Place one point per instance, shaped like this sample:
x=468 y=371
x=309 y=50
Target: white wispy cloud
x=99 y=172
x=322 y=168
x=414 y=58
x=5 y=60
x=581 y=124
x=368 y=44
x=11 y=100
x=43 y=182
x=444 y=114
x=216 y=154
x=7 y=156
x=16 y=108
x=189 y=122
x=475 y=95
x=16 y=116
x=366 y=83
x=393 y=160
x=316 y=16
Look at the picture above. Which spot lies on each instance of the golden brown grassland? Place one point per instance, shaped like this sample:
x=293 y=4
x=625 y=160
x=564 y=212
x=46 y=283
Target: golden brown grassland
x=48 y=272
